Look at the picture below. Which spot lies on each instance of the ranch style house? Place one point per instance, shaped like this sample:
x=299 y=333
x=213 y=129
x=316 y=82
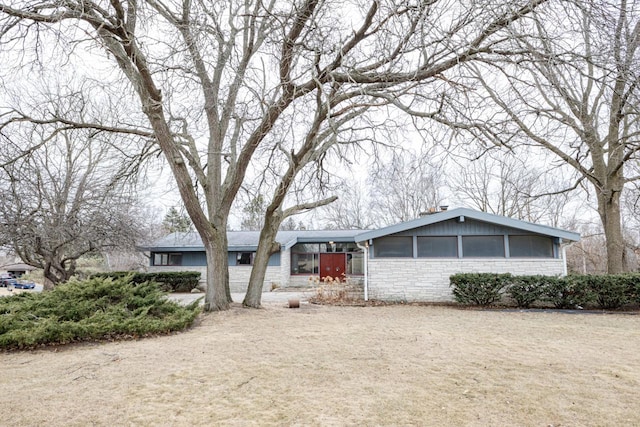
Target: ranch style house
x=409 y=261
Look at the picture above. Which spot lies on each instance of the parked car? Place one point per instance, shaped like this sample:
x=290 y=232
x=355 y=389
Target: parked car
x=7 y=279
x=24 y=285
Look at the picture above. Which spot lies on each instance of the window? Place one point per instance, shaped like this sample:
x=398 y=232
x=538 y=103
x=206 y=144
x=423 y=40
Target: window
x=393 y=247
x=483 y=246
x=531 y=246
x=438 y=246
x=306 y=248
x=167 y=259
x=355 y=263
x=304 y=263
x=244 y=258
x=305 y=257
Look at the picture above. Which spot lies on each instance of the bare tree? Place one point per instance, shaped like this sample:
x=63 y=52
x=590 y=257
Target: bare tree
x=404 y=187
x=351 y=210
x=571 y=87
x=510 y=184
x=65 y=200
x=253 y=213
x=216 y=81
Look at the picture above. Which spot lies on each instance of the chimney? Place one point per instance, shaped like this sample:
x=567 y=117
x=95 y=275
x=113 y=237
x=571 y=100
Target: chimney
x=444 y=207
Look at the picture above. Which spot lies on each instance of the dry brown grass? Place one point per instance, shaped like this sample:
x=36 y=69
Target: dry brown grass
x=320 y=365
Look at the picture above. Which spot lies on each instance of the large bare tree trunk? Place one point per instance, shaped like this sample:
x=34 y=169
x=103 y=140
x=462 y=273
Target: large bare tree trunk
x=266 y=247
x=609 y=210
x=217 y=294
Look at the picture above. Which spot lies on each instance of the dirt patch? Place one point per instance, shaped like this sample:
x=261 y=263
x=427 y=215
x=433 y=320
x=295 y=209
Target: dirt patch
x=389 y=365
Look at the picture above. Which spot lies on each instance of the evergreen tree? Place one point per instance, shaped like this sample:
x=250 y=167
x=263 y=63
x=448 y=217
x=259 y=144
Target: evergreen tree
x=176 y=222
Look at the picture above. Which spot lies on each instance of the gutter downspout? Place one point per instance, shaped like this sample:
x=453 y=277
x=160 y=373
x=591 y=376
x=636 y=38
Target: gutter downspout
x=365 y=249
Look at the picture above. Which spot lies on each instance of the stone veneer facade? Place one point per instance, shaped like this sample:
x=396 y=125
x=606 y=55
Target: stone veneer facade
x=393 y=279
x=238 y=275
x=427 y=280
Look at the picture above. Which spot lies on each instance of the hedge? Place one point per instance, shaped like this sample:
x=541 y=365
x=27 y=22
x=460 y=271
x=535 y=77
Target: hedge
x=479 y=288
x=574 y=291
x=170 y=281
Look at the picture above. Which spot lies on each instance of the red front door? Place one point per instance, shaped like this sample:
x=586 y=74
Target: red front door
x=332 y=265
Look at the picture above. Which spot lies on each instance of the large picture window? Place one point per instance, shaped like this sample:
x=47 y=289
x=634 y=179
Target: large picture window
x=483 y=246
x=160 y=258
x=531 y=246
x=393 y=247
x=437 y=246
x=304 y=263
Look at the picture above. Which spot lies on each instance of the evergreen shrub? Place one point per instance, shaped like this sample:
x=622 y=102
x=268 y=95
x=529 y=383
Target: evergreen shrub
x=527 y=290
x=479 y=288
x=612 y=291
x=170 y=281
x=568 y=292
x=90 y=310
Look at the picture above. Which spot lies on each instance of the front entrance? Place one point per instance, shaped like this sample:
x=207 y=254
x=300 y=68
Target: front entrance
x=332 y=265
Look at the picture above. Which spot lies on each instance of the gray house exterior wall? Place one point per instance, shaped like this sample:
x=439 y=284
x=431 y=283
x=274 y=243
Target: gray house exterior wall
x=427 y=279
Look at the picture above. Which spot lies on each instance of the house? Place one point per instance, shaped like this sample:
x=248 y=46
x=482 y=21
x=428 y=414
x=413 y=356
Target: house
x=303 y=254
x=410 y=261
x=17 y=269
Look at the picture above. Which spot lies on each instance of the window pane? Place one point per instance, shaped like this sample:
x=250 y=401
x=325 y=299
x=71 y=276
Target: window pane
x=157 y=259
x=347 y=247
x=244 y=258
x=355 y=263
x=393 y=246
x=306 y=248
x=531 y=246
x=175 y=259
x=438 y=246
x=304 y=263
x=167 y=259
x=482 y=246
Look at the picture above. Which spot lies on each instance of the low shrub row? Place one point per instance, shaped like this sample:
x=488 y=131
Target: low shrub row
x=170 y=281
x=603 y=291
x=90 y=310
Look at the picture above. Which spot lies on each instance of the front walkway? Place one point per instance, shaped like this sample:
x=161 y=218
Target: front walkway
x=267 y=297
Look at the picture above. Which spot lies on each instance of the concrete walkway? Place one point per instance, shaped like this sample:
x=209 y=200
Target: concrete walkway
x=280 y=297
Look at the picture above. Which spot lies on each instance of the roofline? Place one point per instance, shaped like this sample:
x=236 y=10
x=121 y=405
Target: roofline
x=171 y=248
x=337 y=239
x=466 y=212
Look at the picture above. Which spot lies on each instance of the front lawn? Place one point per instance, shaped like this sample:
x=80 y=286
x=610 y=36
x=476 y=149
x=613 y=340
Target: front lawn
x=324 y=365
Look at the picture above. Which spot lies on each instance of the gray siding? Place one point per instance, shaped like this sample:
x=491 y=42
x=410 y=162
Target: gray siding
x=469 y=227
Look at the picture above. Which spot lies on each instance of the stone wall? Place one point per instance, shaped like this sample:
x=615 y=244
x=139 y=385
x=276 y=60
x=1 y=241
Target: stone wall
x=238 y=275
x=239 y=278
x=427 y=280
x=285 y=268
